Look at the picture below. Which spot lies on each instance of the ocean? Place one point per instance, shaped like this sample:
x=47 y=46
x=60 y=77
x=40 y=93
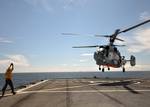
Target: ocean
x=20 y=79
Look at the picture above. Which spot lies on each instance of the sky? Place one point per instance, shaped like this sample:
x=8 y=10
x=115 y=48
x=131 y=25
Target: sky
x=30 y=33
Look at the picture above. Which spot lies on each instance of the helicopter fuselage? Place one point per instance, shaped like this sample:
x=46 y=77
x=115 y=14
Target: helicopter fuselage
x=108 y=56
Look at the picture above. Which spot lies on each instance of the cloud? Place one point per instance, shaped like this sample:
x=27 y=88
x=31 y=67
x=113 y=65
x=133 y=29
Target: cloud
x=42 y=4
x=64 y=64
x=18 y=60
x=67 y=4
x=140 y=42
x=87 y=54
x=83 y=60
x=4 y=40
x=51 y=5
x=141 y=38
x=145 y=15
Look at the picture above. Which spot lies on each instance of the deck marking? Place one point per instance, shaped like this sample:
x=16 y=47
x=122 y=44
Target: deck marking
x=85 y=91
x=31 y=86
x=78 y=91
x=78 y=86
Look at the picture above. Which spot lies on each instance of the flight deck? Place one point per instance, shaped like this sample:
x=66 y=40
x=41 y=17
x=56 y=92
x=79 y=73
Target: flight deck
x=82 y=93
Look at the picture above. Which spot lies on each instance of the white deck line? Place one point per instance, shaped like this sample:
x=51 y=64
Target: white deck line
x=78 y=91
x=84 y=91
x=18 y=91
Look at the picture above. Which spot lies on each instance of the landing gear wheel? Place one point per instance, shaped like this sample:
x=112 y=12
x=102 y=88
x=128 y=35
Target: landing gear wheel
x=123 y=69
x=108 y=68
x=102 y=69
x=99 y=68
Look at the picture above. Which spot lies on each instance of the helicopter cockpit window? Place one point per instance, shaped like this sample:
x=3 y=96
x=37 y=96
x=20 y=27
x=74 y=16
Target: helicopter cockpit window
x=100 y=49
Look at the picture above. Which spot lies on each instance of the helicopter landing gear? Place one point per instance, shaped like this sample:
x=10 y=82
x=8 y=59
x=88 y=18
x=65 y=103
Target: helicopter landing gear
x=123 y=69
x=103 y=70
x=99 y=68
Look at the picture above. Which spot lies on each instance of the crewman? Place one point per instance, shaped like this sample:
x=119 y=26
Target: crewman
x=8 y=79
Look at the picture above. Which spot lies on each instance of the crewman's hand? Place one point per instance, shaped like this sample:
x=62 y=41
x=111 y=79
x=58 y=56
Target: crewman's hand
x=11 y=64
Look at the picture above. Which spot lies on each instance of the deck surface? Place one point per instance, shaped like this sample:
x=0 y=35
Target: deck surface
x=82 y=93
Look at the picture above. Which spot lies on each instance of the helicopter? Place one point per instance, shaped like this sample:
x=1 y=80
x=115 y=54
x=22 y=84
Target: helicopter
x=108 y=55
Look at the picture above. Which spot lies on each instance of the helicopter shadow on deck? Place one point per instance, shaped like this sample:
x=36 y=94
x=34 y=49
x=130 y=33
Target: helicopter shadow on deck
x=124 y=84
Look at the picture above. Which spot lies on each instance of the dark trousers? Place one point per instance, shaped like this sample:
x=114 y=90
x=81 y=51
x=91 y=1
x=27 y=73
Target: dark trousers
x=8 y=82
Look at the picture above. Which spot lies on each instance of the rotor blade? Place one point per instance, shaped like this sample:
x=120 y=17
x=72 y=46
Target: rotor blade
x=119 y=39
x=69 y=34
x=75 y=34
x=86 y=46
x=135 y=26
x=101 y=35
x=119 y=45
